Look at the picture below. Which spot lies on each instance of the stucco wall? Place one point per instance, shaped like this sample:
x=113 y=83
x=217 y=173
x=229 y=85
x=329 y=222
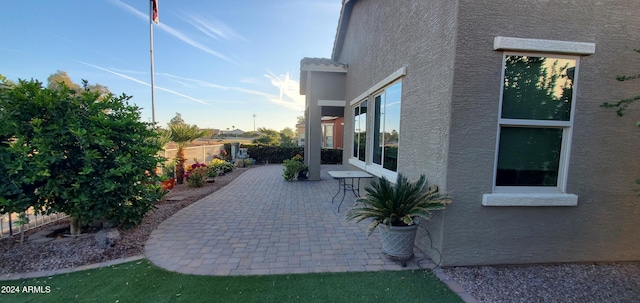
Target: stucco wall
x=603 y=160
x=320 y=86
x=384 y=36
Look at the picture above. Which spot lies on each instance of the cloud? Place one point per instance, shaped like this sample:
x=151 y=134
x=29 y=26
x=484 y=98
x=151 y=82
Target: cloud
x=289 y=91
x=249 y=80
x=129 y=71
x=173 y=31
x=213 y=28
x=145 y=83
x=288 y=96
x=218 y=86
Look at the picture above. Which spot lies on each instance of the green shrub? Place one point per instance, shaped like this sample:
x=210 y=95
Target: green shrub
x=278 y=154
x=221 y=166
x=292 y=167
x=196 y=174
x=84 y=154
x=331 y=156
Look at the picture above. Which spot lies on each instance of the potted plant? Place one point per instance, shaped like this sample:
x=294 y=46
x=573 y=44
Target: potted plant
x=295 y=167
x=396 y=208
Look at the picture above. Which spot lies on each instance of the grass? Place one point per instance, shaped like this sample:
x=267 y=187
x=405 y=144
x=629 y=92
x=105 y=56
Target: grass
x=141 y=281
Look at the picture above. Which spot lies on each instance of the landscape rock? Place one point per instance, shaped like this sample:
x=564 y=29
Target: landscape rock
x=107 y=238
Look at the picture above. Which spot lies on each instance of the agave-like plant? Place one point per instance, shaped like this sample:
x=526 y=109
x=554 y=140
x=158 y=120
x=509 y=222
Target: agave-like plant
x=399 y=204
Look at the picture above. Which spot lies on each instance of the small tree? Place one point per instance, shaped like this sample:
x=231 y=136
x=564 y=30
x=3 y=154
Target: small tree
x=622 y=105
x=287 y=136
x=79 y=153
x=177 y=119
x=267 y=137
x=183 y=134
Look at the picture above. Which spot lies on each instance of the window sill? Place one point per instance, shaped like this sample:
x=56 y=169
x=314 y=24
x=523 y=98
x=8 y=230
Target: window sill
x=529 y=199
x=357 y=163
x=375 y=170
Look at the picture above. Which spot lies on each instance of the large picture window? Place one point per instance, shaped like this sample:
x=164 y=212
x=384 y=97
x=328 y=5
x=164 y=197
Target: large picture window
x=386 y=126
x=377 y=118
x=535 y=122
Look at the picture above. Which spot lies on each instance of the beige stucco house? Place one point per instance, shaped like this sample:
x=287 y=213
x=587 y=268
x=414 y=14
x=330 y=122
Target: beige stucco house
x=498 y=102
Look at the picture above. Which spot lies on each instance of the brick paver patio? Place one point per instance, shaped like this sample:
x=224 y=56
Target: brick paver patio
x=261 y=224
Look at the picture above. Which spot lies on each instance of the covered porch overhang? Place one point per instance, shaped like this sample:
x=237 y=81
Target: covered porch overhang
x=322 y=82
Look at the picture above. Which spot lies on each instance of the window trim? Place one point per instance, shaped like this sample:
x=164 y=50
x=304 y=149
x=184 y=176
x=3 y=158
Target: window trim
x=537 y=195
x=368 y=165
x=566 y=126
x=366 y=128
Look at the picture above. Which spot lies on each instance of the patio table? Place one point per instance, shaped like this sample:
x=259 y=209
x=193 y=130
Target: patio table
x=348 y=180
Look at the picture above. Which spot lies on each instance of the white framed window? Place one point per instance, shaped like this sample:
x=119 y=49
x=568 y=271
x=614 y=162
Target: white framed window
x=327 y=136
x=535 y=125
x=386 y=123
x=535 y=122
x=535 y=128
x=376 y=128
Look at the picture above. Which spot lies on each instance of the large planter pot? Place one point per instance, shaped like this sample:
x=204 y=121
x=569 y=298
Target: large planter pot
x=397 y=241
x=302 y=175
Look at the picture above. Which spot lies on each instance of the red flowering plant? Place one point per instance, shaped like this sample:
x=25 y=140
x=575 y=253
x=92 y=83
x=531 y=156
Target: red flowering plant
x=196 y=174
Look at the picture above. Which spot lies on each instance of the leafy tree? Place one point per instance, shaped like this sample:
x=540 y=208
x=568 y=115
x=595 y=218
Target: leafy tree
x=267 y=137
x=177 y=119
x=59 y=79
x=64 y=151
x=622 y=105
x=301 y=120
x=183 y=134
x=287 y=137
x=5 y=82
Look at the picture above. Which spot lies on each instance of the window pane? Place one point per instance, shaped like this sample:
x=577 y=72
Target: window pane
x=328 y=136
x=378 y=130
x=529 y=156
x=392 y=125
x=360 y=130
x=537 y=88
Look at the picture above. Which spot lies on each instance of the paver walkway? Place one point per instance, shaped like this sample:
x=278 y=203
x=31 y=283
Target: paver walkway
x=260 y=224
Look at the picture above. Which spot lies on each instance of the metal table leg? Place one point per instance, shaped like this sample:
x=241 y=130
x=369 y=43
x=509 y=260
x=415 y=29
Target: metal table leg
x=340 y=186
x=354 y=187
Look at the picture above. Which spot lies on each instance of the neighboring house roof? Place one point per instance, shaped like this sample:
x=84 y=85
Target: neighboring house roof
x=318 y=65
x=235 y=131
x=343 y=22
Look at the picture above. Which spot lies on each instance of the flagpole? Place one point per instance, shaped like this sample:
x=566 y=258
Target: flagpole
x=153 y=98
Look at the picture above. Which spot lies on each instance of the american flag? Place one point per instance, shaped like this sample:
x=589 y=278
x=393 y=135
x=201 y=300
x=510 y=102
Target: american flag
x=154 y=5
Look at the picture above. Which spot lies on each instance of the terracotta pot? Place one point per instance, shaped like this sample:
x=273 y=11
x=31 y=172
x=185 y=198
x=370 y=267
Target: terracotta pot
x=168 y=184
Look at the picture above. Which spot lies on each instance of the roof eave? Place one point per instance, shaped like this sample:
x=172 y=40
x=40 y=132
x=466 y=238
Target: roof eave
x=343 y=22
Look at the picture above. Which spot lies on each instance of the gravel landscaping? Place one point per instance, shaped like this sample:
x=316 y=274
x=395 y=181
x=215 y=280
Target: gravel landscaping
x=71 y=252
x=551 y=283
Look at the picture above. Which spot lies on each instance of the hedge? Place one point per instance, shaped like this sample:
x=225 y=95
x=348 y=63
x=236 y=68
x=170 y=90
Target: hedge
x=277 y=154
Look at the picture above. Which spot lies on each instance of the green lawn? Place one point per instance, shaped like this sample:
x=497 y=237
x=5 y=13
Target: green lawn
x=140 y=281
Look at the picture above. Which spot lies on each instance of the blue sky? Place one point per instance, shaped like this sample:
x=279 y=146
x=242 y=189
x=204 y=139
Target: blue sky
x=216 y=62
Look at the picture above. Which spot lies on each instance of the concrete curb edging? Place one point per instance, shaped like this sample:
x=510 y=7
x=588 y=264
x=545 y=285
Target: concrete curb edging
x=454 y=286
x=47 y=273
